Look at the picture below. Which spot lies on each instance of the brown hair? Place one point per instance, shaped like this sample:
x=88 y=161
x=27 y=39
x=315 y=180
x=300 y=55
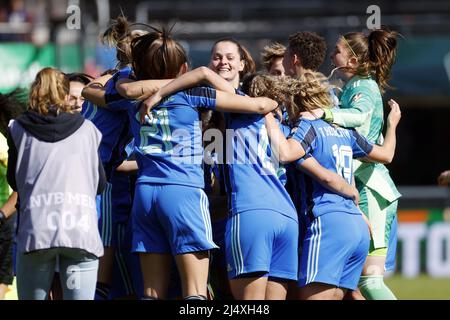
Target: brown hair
x=48 y=92
x=120 y=36
x=275 y=50
x=156 y=55
x=309 y=47
x=305 y=93
x=375 y=54
x=244 y=54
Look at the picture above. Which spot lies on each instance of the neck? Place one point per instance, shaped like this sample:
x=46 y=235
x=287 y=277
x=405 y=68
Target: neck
x=235 y=82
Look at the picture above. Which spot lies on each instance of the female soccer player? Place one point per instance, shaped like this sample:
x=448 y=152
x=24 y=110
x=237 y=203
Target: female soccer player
x=334 y=248
x=115 y=132
x=272 y=58
x=169 y=154
x=257 y=269
x=365 y=63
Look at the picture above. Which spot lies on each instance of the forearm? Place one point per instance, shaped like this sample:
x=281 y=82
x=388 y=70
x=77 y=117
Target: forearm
x=94 y=91
x=357 y=113
x=127 y=167
x=389 y=143
x=286 y=150
x=194 y=78
x=139 y=90
x=349 y=118
x=9 y=207
x=95 y=94
x=327 y=178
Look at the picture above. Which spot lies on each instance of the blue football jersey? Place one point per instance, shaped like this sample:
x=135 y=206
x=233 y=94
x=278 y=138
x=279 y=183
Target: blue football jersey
x=168 y=147
x=334 y=148
x=251 y=169
x=110 y=123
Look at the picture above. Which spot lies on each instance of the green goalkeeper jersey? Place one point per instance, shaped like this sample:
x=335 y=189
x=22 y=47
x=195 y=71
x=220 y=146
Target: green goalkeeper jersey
x=361 y=107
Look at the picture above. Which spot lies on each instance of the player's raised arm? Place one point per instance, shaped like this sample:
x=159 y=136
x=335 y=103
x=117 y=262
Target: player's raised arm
x=141 y=89
x=94 y=91
x=385 y=153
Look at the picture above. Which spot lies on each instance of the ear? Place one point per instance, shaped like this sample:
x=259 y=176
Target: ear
x=296 y=60
x=184 y=68
x=352 y=62
x=241 y=65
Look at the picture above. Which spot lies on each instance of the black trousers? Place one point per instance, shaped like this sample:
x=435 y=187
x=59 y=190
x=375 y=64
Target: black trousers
x=6 y=250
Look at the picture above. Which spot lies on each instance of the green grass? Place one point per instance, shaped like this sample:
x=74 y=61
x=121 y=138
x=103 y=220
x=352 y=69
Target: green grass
x=420 y=288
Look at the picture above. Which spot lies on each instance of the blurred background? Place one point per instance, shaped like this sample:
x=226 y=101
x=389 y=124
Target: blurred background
x=65 y=33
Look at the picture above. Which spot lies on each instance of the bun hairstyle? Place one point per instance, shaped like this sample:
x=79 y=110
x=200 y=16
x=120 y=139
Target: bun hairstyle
x=375 y=54
x=244 y=54
x=119 y=35
x=48 y=92
x=156 y=55
x=305 y=93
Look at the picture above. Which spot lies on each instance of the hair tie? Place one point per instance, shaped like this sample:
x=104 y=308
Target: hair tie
x=348 y=45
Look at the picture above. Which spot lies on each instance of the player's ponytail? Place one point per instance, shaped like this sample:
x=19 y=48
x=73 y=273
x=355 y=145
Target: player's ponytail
x=382 y=52
x=375 y=54
x=119 y=35
x=157 y=55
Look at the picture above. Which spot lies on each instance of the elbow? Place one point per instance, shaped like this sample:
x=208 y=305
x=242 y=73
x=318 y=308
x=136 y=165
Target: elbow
x=386 y=159
x=265 y=107
x=204 y=71
x=326 y=180
x=84 y=93
x=285 y=157
x=124 y=90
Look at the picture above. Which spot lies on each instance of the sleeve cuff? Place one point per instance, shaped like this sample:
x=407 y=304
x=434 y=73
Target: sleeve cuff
x=327 y=115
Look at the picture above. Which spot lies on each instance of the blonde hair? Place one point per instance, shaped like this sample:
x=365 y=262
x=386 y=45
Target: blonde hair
x=275 y=50
x=305 y=93
x=49 y=91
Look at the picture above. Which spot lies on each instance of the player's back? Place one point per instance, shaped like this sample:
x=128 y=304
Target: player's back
x=334 y=148
x=169 y=144
x=251 y=170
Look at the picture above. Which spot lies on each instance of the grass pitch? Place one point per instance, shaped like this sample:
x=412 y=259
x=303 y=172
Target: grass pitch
x=421 y=288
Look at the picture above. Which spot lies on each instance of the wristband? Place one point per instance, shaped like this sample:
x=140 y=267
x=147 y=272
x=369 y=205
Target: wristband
x=327 y=115
x=2 y=217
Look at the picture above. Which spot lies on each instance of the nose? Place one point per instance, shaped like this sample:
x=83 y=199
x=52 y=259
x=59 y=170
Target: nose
x=223 y=60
